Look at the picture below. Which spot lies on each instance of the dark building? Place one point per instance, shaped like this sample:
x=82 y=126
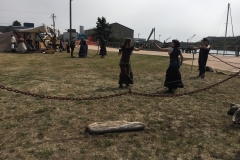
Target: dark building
x=4 y=29
x=118 y=30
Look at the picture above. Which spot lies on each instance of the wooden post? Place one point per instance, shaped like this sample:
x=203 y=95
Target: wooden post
x=237 y=51
x=154 y=40
x=226 y=30
x=70 y=38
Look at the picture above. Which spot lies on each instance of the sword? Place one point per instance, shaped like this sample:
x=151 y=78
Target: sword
x=149 y=36
x=153 y=30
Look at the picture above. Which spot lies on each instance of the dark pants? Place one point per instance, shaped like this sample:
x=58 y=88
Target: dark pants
x=68 y=49
x=103 y=51
x=124 y=77
x=72 y=49
x=202 y=61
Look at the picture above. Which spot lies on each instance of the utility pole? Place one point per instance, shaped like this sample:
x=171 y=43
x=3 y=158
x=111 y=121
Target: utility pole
x=53 y=18
x=226 y=29
x=70 y=31
x=154 y=36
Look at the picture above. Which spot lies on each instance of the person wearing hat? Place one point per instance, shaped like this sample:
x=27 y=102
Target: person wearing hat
x=13 y=43
x=103 y=50
x=203 y=56
x=72 y=45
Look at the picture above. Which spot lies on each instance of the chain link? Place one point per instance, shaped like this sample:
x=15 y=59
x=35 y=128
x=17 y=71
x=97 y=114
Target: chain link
x=125 y=93
x=119 y=94
x=186 y=93
x=224 y=62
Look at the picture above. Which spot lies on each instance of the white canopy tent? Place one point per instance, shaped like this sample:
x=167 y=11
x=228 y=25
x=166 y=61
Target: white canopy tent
x=33 y=33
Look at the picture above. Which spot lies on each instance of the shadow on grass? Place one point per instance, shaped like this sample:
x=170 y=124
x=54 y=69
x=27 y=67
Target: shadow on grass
x=110 y=89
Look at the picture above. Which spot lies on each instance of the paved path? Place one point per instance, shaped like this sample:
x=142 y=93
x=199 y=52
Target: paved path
x=212 y=62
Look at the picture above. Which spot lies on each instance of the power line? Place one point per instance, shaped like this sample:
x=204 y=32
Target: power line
x=231 y=20
x=221 y=22
x=22 y=11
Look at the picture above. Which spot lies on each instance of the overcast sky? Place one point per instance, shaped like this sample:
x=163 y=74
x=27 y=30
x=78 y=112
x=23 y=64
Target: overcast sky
x=179 y=19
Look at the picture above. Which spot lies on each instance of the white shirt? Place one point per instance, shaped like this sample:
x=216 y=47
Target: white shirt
x=170 y=49
x=13 y=39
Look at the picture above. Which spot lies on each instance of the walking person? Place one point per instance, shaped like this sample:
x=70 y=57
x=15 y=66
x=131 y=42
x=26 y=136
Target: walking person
x=203 y=56
x=173 y=76
x=126 y=75
x=72 y=45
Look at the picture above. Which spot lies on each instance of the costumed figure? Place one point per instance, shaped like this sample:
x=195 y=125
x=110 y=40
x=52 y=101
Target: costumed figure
x=54 y=41
x=203 y=56
x=126 y=75
x=37 y=41
x=83 y=49
x=173 y=76
x=103 y=50
x=72 y=45
x=61 y=45
x=13 y=43
x=67 y=46
x=21 y=45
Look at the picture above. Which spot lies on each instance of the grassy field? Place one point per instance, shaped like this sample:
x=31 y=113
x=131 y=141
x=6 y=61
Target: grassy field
x=189 y=127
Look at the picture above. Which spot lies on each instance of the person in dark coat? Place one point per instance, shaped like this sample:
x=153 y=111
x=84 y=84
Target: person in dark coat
x=61 y=45
x=72 y=45
x=173 y=76
x=103 y=50
x=83 y=49
x=203 y=56
x=126 y=75
x=68 y=46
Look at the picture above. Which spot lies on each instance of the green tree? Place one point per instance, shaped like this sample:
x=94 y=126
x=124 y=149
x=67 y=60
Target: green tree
x=102 y=28
x=16 y=23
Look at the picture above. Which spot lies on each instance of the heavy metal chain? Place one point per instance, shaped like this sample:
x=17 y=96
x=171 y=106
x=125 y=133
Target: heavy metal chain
x=118 y=95
x=225 y=62
x=186 y=93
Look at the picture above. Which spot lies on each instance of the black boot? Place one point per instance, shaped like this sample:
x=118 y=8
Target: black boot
x=120 y=86
x=170 y=91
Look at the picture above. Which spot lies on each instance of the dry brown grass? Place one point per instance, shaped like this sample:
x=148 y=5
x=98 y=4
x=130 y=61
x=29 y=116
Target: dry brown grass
x=189 y=127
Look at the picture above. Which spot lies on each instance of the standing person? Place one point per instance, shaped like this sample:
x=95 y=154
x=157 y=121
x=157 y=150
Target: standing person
x=203 y=56
x=37 y=41
x=173 y=76
x=72 y=45
x=13 y=43
x=103 y=50
x=21 y=45
x=126 y=76
x=54 y=41
x=61 y=45
x=83 y=49
x=68 y=46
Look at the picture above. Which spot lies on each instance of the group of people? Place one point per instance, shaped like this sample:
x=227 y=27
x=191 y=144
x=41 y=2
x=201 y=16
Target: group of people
x=83 y=47
x=21 y=48
x=173 y=76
